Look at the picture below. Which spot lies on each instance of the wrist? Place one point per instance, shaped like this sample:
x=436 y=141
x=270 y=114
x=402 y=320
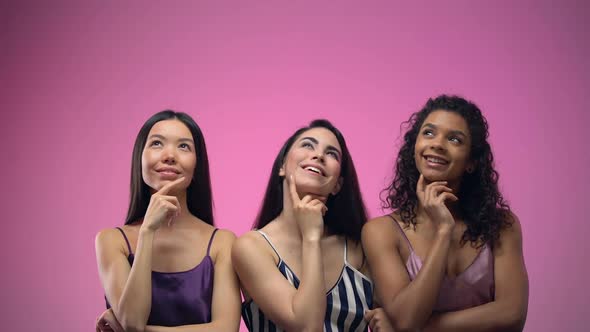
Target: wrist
x=146 y=231
x=312 y=239
x=445 y=230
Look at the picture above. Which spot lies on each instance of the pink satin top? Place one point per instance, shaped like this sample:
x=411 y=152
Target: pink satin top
x=472 y=287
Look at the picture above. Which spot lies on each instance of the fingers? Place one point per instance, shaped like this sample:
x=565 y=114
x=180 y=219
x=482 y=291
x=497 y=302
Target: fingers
x=171 y=199
x=369 y=314
x=294 y=195
x=447 y=196
x=421 y=184
x=436 y=188
x=170 y=185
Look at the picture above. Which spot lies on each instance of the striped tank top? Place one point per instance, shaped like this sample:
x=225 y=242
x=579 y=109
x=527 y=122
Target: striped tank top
x=346 y=301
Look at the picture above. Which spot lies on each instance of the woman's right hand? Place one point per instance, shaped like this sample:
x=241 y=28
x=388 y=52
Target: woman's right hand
x=433 y=198
x=308 y=213
x=107 y=322
x=162 y=208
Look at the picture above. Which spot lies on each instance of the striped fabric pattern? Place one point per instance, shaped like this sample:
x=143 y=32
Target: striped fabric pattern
x=346 y=301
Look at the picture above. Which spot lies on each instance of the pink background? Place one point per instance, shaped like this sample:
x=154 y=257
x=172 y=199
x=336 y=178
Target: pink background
x=78 y=80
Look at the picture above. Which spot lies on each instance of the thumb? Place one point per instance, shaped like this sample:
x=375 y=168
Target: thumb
x=369 y=314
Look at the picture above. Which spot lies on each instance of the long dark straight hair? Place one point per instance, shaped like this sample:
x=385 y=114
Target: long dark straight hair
x=346 y=211
x=198 y=198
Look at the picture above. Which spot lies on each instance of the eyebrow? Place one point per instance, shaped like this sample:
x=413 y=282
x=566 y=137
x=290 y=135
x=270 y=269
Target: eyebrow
x=454 y=132
x=184 y=139
x=329 y=147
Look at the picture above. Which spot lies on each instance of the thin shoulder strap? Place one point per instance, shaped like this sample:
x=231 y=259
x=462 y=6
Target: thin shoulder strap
x=126 y=240
x=270 y=243
x=402 y=231
x=345 y=250
x=211 y=240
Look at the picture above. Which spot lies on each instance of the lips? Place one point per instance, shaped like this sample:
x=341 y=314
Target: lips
x=317 y=169
x=168 y=171
x=432 y=159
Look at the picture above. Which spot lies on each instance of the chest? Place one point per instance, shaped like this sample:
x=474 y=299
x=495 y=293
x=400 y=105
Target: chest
x=460 y=257
x=332 y=255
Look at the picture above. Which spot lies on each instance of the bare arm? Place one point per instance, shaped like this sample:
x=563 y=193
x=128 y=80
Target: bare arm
x=509 y=309
x=225 y=308
x=292 y=309
x=408 y=304
x=129 y=289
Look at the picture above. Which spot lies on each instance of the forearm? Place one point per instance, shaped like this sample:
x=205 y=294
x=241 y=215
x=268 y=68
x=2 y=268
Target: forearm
x=309 y=302
x=412 y=306
x=135 y=303
x=493 y=316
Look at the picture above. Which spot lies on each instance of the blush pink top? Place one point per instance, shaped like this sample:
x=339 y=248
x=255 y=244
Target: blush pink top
x=472 y=287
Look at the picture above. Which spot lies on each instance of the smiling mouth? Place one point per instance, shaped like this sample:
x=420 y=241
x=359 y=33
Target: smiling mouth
x=313 y=170
x=168 y=172
x=435 y=160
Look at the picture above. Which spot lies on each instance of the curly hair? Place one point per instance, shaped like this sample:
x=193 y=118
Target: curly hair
x=484 y=209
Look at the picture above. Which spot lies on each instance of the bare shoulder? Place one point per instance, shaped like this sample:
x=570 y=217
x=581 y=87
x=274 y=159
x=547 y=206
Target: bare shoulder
x=510 y=235
x=221 y=242
x=251 y=244
x=225 y=236
x=110 y=243
x=108 y=237
x=380 y=227
x=248 y=240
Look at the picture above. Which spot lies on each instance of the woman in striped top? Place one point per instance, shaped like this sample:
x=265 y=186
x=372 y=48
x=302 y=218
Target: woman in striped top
x=303 y=269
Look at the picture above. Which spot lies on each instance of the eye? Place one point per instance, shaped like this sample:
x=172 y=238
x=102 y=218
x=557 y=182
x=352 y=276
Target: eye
x=306 y=144
x=185 y=146
x=156 y=143
x=455 y=139
x=333 y=154
x=427 y=132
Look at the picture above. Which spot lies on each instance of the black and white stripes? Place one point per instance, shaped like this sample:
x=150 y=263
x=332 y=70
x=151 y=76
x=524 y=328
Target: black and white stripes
x=346 y=301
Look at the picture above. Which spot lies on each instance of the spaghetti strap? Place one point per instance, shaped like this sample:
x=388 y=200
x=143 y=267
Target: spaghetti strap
x=402 y=231
x=345 y=250
x=270 y=243
x=126 y=240
x=211 y=240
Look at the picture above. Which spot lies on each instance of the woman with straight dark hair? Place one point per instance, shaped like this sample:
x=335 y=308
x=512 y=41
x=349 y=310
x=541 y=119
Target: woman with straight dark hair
x=449 y=257
x=303 y=268
x=168 y=268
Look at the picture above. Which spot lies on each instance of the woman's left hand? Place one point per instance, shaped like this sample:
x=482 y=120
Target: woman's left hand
x=378 y=321
x=107 y=322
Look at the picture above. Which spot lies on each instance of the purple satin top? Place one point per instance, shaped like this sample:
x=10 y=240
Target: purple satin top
x=472 y=287
x=181 y=298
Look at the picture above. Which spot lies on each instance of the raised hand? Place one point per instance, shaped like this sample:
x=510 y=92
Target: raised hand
x=433 y=198
x=162 y=208
x=308 y=212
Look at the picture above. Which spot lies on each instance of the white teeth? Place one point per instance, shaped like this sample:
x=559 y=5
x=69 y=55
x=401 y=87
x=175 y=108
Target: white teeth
x=436 y=160
x=313 y=169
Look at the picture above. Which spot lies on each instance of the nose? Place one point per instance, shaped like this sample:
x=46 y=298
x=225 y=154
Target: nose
x=169 y=155
x=438 y=144
x=319 y=156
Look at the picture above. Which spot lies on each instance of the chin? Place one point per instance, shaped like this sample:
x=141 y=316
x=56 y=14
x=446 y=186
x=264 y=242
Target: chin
x=309 y=187
x=434 y=176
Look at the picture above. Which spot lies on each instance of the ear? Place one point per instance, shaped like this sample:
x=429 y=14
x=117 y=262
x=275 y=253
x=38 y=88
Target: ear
x=282 y=171
x=338 y=186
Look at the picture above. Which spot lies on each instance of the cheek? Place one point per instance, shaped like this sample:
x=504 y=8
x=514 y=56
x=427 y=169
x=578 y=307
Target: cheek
x=191 y=164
